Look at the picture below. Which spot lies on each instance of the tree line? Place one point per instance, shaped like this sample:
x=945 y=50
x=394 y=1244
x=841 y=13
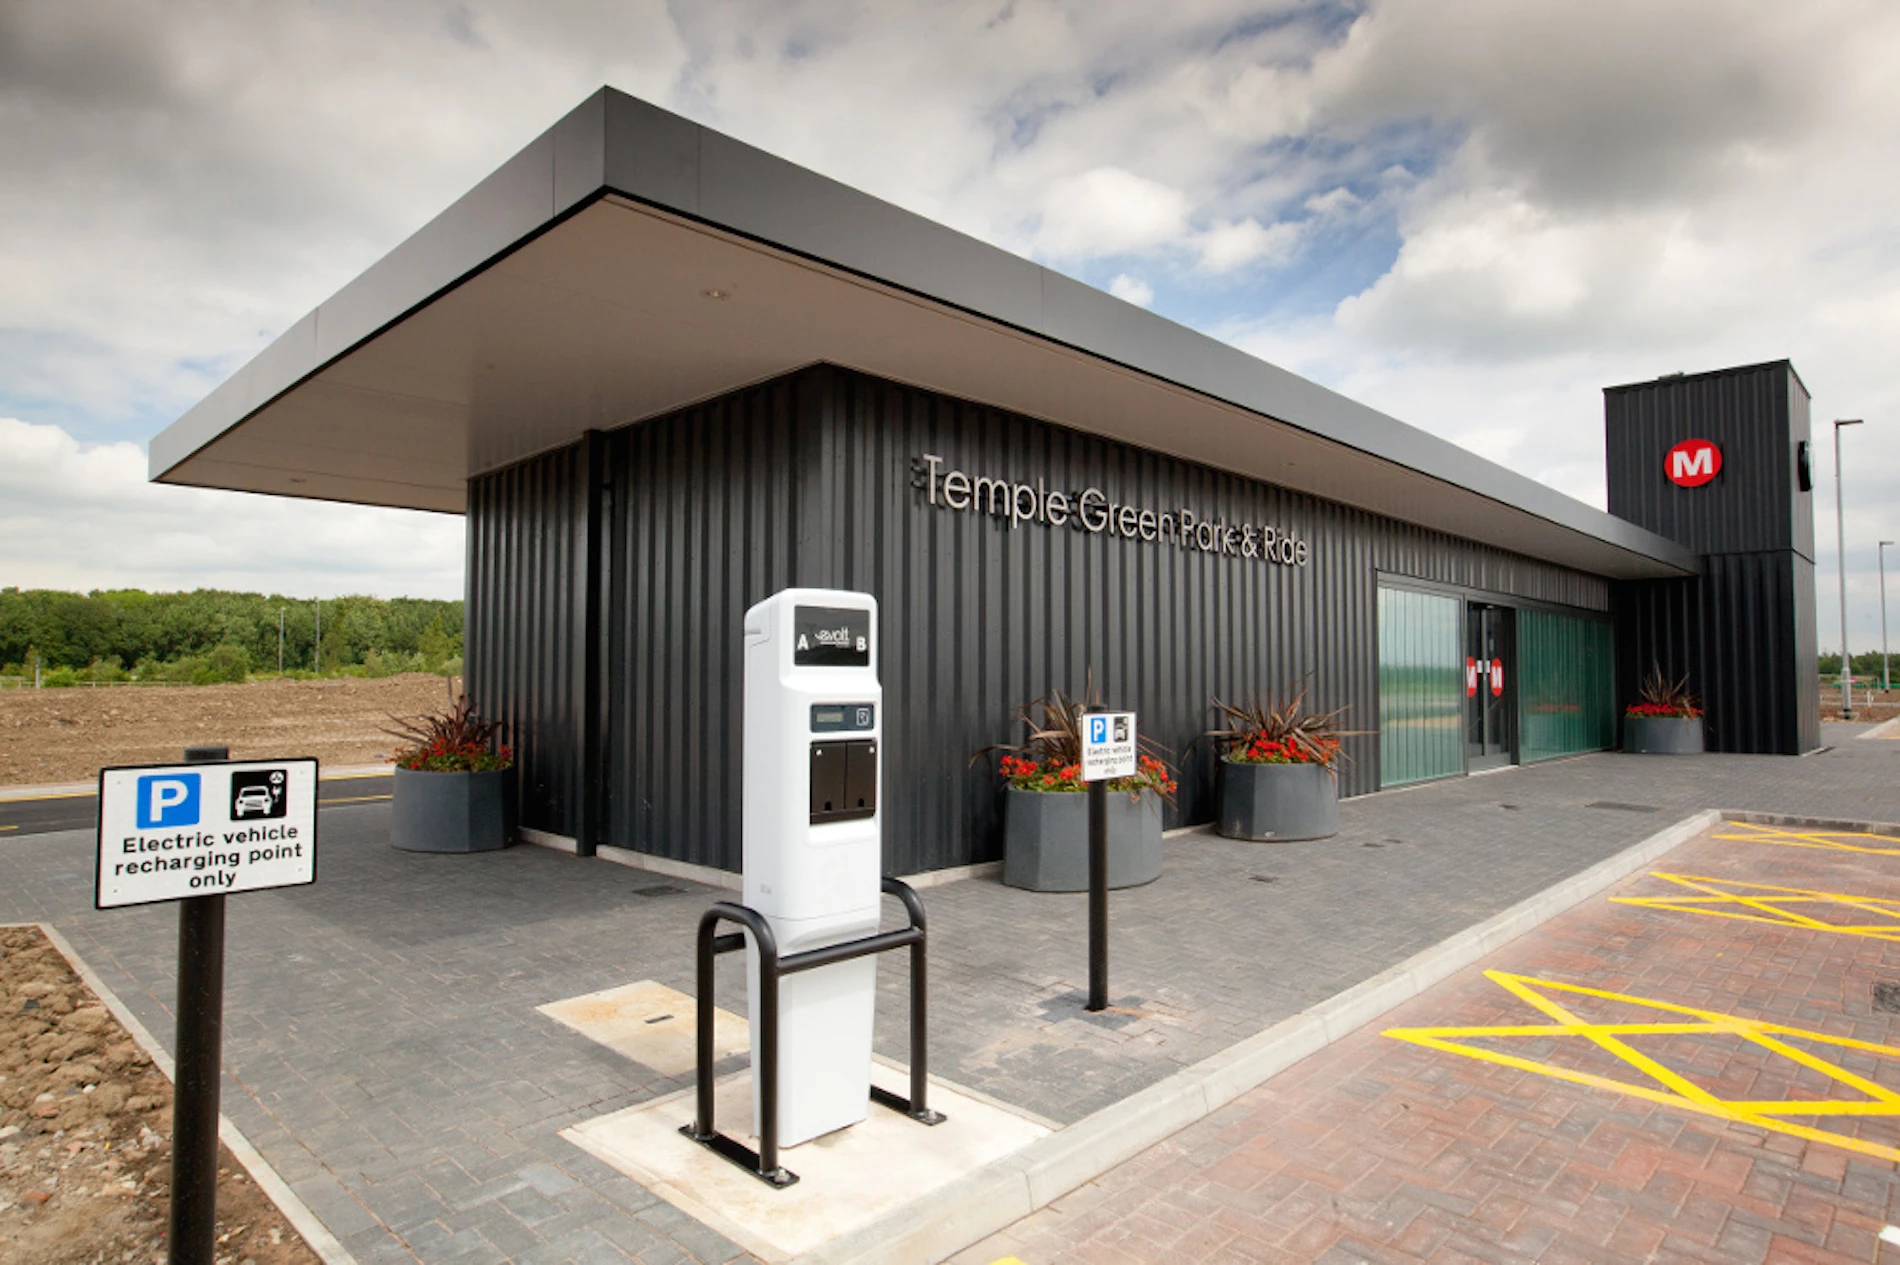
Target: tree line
x=1868 y=664
x=215 y=635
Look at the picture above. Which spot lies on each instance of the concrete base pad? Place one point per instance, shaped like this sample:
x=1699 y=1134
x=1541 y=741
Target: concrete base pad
x=649 y=1023
x=847 y=1179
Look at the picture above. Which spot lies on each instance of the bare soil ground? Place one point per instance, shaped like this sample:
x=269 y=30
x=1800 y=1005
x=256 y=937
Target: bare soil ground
x=51 y=737
x=85 y=1133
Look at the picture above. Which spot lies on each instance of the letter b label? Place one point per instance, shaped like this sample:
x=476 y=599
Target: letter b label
x=168 y=799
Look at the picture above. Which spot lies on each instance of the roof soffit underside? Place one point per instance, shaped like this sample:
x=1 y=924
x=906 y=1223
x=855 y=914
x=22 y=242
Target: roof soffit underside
x=605 y=321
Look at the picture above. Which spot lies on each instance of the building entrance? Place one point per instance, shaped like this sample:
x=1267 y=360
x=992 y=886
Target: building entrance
x=1490 y=688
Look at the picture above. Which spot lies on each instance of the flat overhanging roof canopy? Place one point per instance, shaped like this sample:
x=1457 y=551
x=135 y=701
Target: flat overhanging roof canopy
x=629 y=262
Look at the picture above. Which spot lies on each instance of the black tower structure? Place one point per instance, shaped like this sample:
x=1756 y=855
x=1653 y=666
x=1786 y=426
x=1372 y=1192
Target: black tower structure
x=1743 y=631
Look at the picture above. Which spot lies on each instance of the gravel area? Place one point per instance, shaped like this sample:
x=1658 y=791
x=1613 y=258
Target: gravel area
x=85 y=1133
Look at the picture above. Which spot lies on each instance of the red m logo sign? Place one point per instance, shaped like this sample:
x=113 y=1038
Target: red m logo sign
x=1692 y=463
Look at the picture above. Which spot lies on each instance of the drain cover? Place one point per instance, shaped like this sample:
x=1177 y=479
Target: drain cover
x=1263 y=878
x=1613 y=806
x=1887 y=996
x=658 y=889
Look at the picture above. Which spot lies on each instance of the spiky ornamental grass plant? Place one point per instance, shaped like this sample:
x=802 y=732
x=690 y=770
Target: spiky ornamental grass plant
x=1660 y=696
x=459 y=740
x=1268 y=731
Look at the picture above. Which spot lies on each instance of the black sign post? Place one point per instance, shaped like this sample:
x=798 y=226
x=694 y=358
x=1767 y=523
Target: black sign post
x=195 y=1086
x=1098 y=890
x=195 y=833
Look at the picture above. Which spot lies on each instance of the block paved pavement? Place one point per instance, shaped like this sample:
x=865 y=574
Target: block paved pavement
x=382 y=1048
x=1377 y=1149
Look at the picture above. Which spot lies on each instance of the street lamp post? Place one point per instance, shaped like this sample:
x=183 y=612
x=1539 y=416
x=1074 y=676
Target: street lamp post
x=1886 y=664
x=1840 y=552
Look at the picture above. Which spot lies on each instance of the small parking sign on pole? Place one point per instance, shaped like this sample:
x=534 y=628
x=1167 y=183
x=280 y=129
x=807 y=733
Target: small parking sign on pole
x=1108 y=745
x=194 y=833
x=1108 y=752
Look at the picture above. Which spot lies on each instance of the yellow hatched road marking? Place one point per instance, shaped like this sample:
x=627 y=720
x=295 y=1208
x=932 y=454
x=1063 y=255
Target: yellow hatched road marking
x=1664 y=1085
x=1833 y=840
x=1764 y=902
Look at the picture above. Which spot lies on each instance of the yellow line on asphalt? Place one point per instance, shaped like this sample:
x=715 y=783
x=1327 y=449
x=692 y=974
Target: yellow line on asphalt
x=327 y=777
x=355 y=799
x=9 y=827
x=1773 y=905
x=1663 y=1084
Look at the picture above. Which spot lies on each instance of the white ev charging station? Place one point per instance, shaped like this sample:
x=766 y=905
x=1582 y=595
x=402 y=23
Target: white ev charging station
x=813 y=727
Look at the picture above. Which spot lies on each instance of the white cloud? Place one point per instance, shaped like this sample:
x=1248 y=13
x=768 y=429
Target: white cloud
x=1109 y=211
x=1496 y=206
x=75 y=516
x=1132 y=290
x=1228 y=246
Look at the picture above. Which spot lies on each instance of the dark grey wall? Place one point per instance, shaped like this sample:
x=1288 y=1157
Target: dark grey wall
x=1756 y=415
x=524 y=632
x=1736 y=634
x=808 y=481
x=1743 y=632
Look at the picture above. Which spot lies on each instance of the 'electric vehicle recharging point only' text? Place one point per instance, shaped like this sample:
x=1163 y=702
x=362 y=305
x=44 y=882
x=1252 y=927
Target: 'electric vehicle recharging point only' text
x=813 y=850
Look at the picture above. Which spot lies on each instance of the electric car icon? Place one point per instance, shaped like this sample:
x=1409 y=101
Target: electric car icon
x=251 y=799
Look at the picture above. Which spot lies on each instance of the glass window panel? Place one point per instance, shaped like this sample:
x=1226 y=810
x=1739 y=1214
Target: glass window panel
x=1421 y=686
x=1566 y=703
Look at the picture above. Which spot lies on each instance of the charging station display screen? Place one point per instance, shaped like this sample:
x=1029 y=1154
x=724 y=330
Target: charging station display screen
x=831 y=637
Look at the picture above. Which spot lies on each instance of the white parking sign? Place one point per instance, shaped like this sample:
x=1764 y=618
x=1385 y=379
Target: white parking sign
x=1108 y=745
x=171 y=831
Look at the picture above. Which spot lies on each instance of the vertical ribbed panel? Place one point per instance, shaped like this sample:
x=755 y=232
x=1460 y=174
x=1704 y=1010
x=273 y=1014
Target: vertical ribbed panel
x=1566 y=690
x=807 y=481
x=698 y=529
x=525 y=626
x=1421 y=686
x=1743 y=632
x=1755 y=416
x=1739 y=635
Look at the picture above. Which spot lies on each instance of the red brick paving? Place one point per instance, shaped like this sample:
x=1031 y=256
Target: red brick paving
x=1379 y=1150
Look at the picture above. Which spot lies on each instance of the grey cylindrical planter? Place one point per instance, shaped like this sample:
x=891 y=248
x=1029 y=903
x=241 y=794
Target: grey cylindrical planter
x=1663 y=735
x=1046 y=839
x=453 y=812
x=1278 y=801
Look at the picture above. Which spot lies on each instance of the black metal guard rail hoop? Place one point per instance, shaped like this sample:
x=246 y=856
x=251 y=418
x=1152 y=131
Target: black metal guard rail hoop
x=772 y=968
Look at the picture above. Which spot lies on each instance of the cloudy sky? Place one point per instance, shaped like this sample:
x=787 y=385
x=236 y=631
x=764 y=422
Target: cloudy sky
x=1472 y=214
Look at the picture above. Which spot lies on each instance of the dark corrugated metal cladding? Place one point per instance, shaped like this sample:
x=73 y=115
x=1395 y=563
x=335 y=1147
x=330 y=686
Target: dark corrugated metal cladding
x=1738 y=635
x=524 y=631
x=1743 y=632
x=1750 y=414
x=808 y=480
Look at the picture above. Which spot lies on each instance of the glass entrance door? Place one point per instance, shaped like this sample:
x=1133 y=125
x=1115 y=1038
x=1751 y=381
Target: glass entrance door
x=1490 y=688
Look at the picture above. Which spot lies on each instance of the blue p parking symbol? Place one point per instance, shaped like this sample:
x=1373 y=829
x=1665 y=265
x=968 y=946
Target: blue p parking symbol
x=1098 y=731
x=168 y=799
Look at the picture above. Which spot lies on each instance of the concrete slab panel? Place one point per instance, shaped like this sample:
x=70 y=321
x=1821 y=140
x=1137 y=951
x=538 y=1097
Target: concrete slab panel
x=649 y=1023
x=847 y=1179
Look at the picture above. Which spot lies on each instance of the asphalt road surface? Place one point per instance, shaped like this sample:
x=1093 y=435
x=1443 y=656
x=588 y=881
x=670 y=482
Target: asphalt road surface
x=80 y=811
